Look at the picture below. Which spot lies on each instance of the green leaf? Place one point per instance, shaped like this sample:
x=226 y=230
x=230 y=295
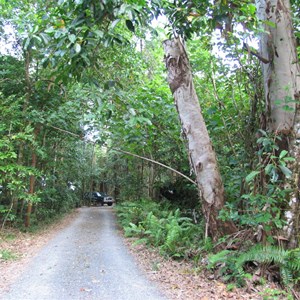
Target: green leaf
x=45 y=38
x=99 y=33
x=288 y=108
x=36 y=29
x=282 y=154
x=268 y=169
x=288 y=159
x=275 y=176
x=57 y=34
x=286 y=171
x=252 y=9
x=36 y=37
x=251 y=176
x=264 y=133
x=27 y=42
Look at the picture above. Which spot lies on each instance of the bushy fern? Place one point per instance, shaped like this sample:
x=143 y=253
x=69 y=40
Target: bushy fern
x=134 y=230
x=218 y=258
x=155 y=225
x=232 y=263
x=154 y=229
x=288 y=261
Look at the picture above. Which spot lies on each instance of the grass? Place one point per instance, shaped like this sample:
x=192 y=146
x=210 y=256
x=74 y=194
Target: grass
x=10 y=237
x=7 y=255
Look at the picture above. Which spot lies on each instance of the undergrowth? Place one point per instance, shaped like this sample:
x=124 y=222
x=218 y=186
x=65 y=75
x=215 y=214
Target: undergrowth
x=160 y=226
x=275 y=263
x=7 y=255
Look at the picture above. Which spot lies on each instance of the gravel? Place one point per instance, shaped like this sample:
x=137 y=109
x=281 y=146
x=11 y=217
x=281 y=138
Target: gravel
x=86 y=260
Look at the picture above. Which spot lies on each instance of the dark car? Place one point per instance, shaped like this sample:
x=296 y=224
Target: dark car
x=93 y=197
x=99 y=198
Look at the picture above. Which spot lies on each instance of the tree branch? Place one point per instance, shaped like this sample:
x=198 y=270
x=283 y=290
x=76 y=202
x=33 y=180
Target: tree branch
x=135 y=155
x=65 y=131
x=156 y=162
x=255 y=53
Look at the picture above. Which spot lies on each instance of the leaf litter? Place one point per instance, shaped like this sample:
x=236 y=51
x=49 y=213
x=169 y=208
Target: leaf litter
x=182 y=280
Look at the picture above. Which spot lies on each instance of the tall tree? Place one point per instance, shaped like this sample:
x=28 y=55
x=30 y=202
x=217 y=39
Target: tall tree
x=202 y=156
x=281 y=74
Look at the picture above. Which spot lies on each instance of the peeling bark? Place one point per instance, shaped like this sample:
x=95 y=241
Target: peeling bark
x=278 y=46
x=282 y=90
x=200 y=150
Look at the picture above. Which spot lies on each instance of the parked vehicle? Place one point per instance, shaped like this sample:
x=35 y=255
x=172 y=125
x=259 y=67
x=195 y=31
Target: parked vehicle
x=99 y=198
x=106 y=199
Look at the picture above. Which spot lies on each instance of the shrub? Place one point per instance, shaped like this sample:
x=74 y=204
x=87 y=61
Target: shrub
x=232 y=264
x=160 y=226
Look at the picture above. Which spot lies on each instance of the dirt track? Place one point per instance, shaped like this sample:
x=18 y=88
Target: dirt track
x=86 y=260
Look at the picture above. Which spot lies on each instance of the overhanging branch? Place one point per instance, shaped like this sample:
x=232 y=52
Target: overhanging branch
x=135 y=155
x=157 y=163
x=63 y=130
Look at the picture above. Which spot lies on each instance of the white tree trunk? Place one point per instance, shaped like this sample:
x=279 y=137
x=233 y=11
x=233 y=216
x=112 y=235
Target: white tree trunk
x=201 y=153
x=277 y=45
x=282 y=83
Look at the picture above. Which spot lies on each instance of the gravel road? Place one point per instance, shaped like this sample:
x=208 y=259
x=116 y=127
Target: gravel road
x=86 y=260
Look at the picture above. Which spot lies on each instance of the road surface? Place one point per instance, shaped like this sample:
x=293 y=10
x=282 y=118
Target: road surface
x=86 y=260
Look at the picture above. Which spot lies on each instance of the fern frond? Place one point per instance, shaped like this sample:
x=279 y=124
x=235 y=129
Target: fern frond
x=220 y=257
x=263 y=255
x=293 y=259
x=287 y=261
x=286 y=275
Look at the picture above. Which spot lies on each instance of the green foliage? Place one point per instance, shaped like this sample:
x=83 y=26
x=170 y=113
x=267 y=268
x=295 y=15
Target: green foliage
x=7 y=255
x=52 y=205
x=158 y=226
x=275 y=164
x=288 y=261
x=225 y=261
x=135 y=212
x=275 y=294
x=6 y=214
x=264 y=203
x=232 y=265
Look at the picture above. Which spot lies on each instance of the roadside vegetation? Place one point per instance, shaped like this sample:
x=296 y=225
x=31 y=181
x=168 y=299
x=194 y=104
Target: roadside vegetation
x=87 y=104
x=242 y=262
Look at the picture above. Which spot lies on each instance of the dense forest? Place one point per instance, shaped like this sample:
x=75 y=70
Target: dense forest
x=186 y=112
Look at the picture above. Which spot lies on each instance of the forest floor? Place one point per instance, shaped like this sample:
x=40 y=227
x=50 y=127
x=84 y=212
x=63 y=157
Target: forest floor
x=177 y=279
x=182 y=280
